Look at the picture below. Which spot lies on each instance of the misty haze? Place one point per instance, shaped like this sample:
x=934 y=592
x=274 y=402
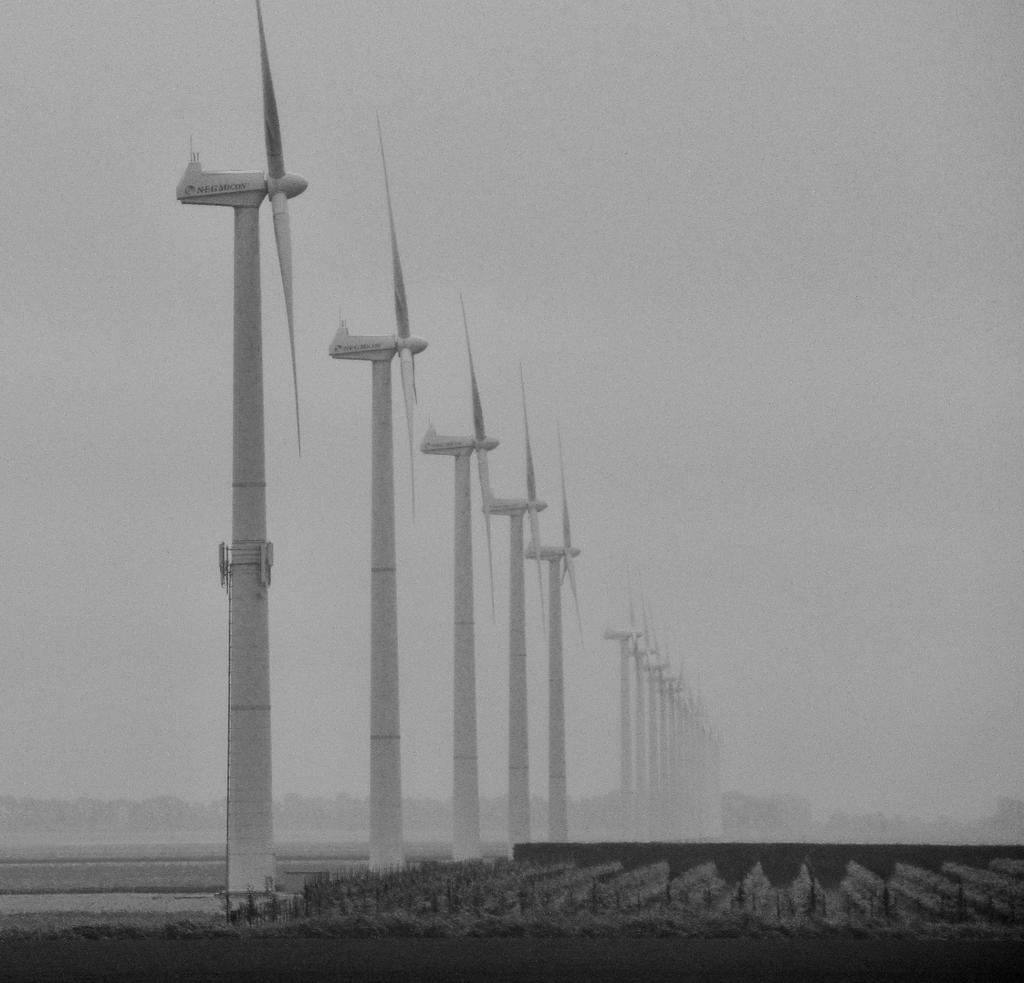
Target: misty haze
x=719 y=304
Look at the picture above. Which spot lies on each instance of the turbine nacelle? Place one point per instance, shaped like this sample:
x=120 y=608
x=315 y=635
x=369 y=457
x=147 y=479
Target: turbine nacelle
x=235 y=189
x=435 y=443
x=371 y=347
x=515 y=506
x=238 y=189
x=619 y=635
x=550 y=553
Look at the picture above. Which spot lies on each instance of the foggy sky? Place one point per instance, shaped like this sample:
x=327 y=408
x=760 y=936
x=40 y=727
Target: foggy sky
x=761 y=261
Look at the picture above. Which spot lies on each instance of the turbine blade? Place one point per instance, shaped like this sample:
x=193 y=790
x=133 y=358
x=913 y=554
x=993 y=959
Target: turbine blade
x=271 y=124
x=481 y=455
x=478 y=410
x=567 y=536
x=531 y=496
x=632 y=608
x=566 y=532
x=571 y=570
x=643 y=613
x=531 y=483
x=485 y=494
x=401 y=307
x=283 y=235
x=407 y=367
x=535 y=534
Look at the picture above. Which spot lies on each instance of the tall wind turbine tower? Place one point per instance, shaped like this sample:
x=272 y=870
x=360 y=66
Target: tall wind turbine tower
x=518 y=712
x=559 y=560
x=668 y=760
x=627 y=642
x=465 y=773
x=654 y=668
x=641 y=824
x=246 y=563
x=386 y=843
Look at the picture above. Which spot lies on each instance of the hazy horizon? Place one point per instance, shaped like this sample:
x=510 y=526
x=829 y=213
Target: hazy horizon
x=760 y=261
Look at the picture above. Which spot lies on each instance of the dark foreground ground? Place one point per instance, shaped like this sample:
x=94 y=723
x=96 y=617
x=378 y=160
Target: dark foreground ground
x=521 y=960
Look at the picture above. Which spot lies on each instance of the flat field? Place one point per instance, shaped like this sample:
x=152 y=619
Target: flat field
x=951 y=914
x=522 y=960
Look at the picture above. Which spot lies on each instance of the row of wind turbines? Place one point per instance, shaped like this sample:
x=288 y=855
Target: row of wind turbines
x=670 y=752
x=246 y=563
x=386 y=846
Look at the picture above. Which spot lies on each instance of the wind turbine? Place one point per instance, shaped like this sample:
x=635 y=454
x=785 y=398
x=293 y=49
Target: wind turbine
x=465 y=774
x=246 y=563
x=533 y=504
x=685 y=767
x=641 y=816
x=715 y=829
x=666 y=686
x=559 y=563
x=653 y=667
x=518 y=713
x=678 y=776
x=690 y=766
x=386 y=846
x=626 y=640
x=642 y=789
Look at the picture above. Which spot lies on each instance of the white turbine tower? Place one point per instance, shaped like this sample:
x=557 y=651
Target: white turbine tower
x=682 y=777
x=518 y=712
x=386 y=841
x=642 y=789
x=627 y=642
x=716 y=784
x=690 y=768
x=641 y=818
x=465 y=774
x=668 y=761
x=559 y=564
x=674 y=813
x=653 y=667
x=246 y=563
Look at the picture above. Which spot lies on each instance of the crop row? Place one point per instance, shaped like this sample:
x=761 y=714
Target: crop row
x=910 y=895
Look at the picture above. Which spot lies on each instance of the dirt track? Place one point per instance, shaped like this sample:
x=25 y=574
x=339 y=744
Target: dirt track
x=522 y=960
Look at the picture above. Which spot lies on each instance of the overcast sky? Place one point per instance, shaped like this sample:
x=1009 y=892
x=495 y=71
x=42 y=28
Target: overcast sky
x=761 y=261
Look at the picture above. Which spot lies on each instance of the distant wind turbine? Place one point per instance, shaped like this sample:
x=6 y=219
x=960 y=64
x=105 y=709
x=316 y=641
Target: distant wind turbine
x=667 y=687
x=626 y=640
x=518 y=713
x=465 y=777
x=246 y=563
x=386 y=842
x=641 y=816
x=559 y=563
x=653 y=667
x=481 y=451
x=676 y=777
x=533 y=504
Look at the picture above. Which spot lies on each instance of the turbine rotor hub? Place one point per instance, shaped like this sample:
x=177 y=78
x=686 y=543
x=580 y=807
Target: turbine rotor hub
x=412 y=344
x=289 y=184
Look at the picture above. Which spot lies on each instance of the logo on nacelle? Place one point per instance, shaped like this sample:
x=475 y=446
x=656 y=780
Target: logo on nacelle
x=212 y=189
x=363 y=346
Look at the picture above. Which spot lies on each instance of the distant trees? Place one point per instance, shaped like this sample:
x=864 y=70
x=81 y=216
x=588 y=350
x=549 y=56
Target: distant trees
x=781 y=818
x=70 y=820
x=788 y=818
x=748 y=818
